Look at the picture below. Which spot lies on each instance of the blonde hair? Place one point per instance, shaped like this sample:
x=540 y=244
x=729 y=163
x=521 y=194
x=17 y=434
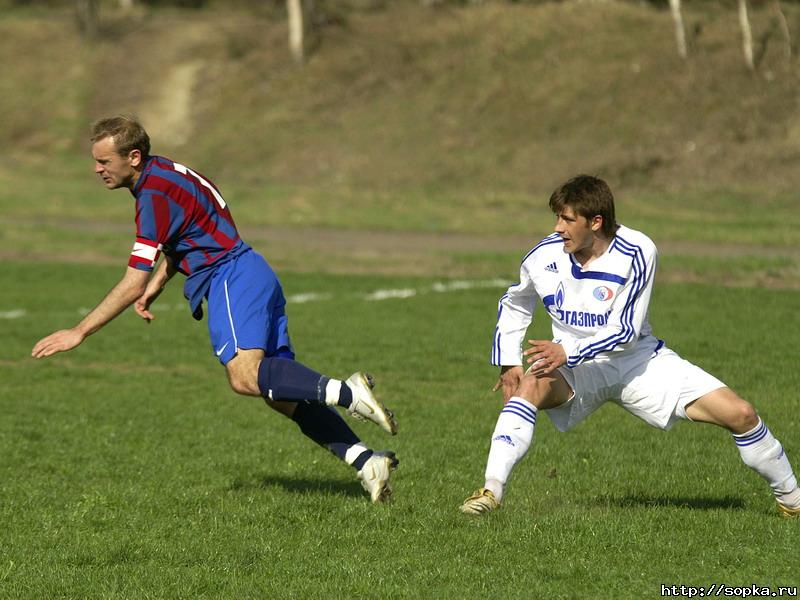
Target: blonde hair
x=127 y=133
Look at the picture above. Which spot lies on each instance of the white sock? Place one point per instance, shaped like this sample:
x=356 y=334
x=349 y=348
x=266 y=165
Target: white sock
x=332 y=390
x=353 y=452
x=511 y=439
x=762 y=452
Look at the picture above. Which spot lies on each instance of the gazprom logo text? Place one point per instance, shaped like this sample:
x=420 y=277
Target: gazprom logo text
x=603 y=293
x=576 y=318
x=580 y=319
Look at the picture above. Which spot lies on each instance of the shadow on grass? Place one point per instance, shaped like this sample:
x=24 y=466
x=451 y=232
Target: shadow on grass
x=695 y=503
x=296 y=485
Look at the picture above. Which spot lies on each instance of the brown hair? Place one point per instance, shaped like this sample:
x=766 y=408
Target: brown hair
x=588 y=196
x=127 y=133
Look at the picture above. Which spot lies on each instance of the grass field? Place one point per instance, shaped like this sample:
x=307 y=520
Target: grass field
x=392 y=181
x=130 y=470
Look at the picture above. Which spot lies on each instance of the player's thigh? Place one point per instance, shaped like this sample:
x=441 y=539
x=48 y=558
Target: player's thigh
x=725 y=408
x=545 y=392
x=658 y=387
x=241 y=306
x=589 y=389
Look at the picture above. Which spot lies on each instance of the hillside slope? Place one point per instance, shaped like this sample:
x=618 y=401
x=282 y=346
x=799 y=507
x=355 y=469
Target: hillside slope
x=493 y=97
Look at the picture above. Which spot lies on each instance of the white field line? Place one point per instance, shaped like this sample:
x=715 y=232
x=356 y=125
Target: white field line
x=377 y=295
x=307 y=297
x=13 y=314
x=387 y=294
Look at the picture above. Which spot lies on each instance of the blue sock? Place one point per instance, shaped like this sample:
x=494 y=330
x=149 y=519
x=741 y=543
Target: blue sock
x=284 y=379
x=324 y=425
x=345 y=396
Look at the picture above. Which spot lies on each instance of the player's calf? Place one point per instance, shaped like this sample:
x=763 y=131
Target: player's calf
x=289 y=380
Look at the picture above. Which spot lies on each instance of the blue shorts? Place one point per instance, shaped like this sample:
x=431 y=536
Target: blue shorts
x=246 y=309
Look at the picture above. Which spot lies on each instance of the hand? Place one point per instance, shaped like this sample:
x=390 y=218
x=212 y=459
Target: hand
x=544 y=357
x=142 y=304
x=510 y=376
x=60 y=341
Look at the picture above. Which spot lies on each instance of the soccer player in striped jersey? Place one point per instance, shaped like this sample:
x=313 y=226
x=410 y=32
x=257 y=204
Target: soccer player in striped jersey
x=594 y=278
x=182 y=219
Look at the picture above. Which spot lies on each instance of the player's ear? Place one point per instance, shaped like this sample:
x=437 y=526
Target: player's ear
x=596 y=222
x=135 y=156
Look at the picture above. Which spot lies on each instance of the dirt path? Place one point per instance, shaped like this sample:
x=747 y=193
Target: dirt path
x=433 y=254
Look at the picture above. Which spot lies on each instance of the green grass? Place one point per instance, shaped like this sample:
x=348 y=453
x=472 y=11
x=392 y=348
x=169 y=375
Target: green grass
x=130 y=470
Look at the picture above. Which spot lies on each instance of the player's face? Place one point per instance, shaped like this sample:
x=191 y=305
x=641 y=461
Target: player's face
x=576 y=231
x=115 y=170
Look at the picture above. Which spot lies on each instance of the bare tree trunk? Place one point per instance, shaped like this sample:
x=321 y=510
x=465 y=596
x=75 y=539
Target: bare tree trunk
x=296 y=30
x=680 y=32
x=86 y=13
x=784 y=27
x=747 y=34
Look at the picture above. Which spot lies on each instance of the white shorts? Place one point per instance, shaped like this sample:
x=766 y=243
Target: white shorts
x=654 y=386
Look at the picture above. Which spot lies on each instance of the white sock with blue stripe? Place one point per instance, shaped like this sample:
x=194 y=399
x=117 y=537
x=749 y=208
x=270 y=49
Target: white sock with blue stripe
x=511 y=439
x=763 y=453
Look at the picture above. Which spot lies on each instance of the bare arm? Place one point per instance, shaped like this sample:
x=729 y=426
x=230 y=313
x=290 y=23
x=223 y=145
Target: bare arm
x=131 y=286
x=155 y=286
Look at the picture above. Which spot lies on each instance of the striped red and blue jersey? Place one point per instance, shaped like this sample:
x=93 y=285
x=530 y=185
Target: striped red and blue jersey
x=182 y=214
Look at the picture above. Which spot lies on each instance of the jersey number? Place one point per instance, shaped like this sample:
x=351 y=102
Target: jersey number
x=184 y=170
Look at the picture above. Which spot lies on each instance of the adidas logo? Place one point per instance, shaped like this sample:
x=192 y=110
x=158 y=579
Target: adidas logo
x=551 y=267
x=504 y=438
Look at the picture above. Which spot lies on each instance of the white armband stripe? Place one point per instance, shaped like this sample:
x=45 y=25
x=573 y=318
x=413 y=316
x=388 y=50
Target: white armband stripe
x=145 y=251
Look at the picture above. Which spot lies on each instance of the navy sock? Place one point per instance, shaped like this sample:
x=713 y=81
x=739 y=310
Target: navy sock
x=284 y=379
x=345 y=396
x=324 y=425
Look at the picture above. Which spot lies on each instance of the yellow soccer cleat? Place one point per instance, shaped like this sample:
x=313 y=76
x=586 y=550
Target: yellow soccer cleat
x=787 y=512
x=482 y=501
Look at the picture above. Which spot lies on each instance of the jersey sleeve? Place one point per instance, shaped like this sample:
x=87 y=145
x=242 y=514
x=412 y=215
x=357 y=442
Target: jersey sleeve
x=514 y=315
x=628 y=313
x=154 y=226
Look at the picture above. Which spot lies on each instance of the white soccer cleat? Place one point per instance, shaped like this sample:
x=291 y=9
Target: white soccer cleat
x=375 y=473
x=366 y=406
x=481 y=502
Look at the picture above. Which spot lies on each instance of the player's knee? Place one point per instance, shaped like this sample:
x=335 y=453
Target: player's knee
x=531 y=389
x=242 y=372
x=239 y=386
x=243 y=383
x=745 y=416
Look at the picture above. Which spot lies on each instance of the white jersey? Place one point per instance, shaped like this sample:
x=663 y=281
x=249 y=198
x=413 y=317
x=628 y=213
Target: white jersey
x=595 y=311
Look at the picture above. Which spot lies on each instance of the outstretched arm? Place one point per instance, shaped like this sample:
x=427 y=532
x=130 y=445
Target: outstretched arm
x=131 y=286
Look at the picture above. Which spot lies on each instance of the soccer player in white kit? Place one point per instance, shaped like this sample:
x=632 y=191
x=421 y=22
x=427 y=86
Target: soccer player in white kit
x=594 y=278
